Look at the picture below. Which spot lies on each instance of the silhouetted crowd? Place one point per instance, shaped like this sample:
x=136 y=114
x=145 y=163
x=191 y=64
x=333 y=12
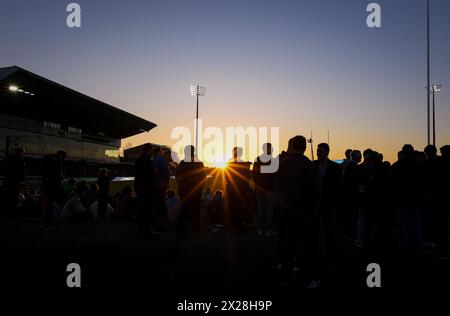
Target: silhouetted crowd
x=56 y=199
x=388 y=209
x=400 y=209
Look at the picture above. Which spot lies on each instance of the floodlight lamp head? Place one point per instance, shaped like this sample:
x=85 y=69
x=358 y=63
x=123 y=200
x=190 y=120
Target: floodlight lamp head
x=198 y=90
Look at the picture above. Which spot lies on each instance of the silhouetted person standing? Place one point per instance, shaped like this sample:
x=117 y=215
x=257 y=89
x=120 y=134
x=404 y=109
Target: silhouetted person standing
x=349 y=195
x=238 y=177
x=443 y=209
x=264 y=183
x=296 y=185
x=191 y=177
x=51 y=184
x=407 y=182
x=347 y=159
x=144 y=181
x=328 y=178
x=431 y=170
x=362 y=176
x=379 y=206
x=15 y=175
x=162 y=177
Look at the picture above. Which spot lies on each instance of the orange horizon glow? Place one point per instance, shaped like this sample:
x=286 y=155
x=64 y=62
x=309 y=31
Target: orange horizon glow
x=339 y=143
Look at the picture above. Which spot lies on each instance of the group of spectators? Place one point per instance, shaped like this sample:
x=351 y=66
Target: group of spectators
x=401 y=207
x=396 y=209
x=56 y=199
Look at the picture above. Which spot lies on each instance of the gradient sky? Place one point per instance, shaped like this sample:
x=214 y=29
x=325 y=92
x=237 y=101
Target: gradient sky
x=300 y=65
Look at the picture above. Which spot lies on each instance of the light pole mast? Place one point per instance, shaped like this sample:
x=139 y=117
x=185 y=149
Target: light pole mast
x=196 y=123
x=310 y=141
x=428 y=72
x=197 y=91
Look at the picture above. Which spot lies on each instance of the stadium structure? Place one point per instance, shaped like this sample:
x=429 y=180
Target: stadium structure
x=42 y=117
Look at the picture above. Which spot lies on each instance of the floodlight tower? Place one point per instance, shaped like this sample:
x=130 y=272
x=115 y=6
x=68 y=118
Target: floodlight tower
x=428 y=72
x=197 y=91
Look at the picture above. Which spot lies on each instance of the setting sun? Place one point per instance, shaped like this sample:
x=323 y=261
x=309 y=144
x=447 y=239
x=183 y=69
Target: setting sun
x=219 y=164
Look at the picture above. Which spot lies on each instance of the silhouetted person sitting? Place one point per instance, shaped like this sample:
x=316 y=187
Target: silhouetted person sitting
x=68 y=187
x=51 y=184
x=84 y=193
x=191 y=177
x=73 y=210
x=328 y=177
x=407 y=186
x=15 y=175
x=92 y=194
x=144 y=181
x=296 y=185
x=264 y=183
x=238 y=177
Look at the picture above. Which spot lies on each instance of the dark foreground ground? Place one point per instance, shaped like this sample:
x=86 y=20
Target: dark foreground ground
x=236 y=264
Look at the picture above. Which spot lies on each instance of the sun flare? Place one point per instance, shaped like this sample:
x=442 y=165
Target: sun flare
x=219 y=164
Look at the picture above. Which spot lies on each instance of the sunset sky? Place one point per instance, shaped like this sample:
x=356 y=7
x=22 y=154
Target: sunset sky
x=298 y=65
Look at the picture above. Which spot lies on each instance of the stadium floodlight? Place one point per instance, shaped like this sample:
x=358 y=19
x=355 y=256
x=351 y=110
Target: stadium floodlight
x=197 y=91
x=14 y=88
x=436 y=88
x=201 y=90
